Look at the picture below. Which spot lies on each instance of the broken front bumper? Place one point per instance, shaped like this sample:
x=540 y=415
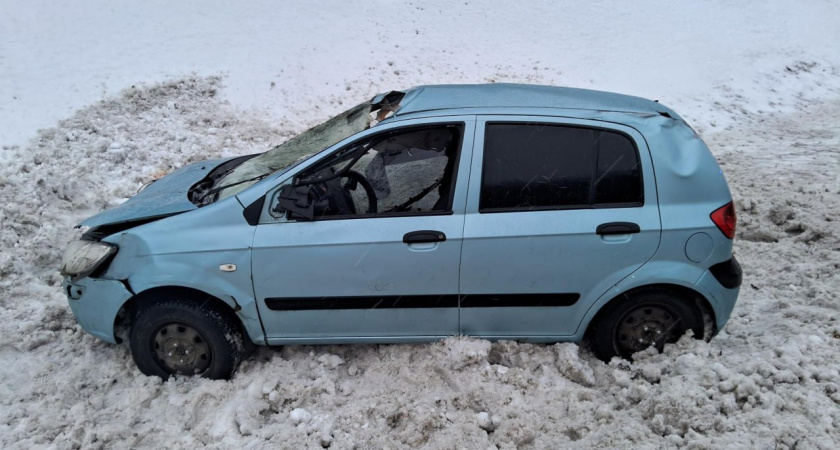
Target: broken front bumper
x=95 y=303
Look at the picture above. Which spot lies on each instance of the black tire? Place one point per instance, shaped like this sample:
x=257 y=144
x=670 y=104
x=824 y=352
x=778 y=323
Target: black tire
x=643 y=318
x=187 y=338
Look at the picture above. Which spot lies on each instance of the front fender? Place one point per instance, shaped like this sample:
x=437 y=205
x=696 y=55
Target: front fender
x=190 y=250
x=201 y=273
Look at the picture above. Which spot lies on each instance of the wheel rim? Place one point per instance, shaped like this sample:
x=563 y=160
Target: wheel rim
x=645 y=326
x=180 y=348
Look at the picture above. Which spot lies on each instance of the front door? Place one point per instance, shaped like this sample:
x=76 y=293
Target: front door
x=365 y=243
x=558 y=211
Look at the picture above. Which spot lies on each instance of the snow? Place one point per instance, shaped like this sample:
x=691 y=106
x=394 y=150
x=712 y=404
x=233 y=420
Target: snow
x=282 y=59
x=125 y=92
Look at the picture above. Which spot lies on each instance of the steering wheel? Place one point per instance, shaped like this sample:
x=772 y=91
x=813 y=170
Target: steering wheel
x=358 y=178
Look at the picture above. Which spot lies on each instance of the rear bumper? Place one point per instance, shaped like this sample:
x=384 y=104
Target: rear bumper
x=728 y=273
x=95 y=303
x=721 y=285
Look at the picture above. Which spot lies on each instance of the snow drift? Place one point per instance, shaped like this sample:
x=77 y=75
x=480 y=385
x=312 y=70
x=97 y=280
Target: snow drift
x=771 y=378
x=759 y=81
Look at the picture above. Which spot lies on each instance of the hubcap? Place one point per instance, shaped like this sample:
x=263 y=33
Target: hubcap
x=181 y=349
x=645 y=326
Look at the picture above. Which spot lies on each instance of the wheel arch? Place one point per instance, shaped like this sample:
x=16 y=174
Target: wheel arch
x=700 y=302
x=128 y=310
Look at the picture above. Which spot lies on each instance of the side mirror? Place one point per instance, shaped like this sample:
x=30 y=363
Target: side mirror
x=295 y=199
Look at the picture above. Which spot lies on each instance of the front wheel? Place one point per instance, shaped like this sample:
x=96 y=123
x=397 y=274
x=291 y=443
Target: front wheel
x=642 y=319
x=181 y=337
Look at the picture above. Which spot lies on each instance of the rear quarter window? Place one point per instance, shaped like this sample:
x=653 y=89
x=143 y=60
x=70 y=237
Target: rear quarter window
x=536 y=166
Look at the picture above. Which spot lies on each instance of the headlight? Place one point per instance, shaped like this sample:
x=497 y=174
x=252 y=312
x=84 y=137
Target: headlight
x=83 y=257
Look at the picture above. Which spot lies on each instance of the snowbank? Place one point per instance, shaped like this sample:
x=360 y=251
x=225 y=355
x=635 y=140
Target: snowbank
x=771 y=379
x=298 y=56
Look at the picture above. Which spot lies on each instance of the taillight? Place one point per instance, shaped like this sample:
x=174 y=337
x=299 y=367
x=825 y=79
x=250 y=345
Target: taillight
x=725 y=219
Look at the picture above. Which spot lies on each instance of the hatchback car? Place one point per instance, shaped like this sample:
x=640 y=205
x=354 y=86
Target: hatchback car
x=500 y=211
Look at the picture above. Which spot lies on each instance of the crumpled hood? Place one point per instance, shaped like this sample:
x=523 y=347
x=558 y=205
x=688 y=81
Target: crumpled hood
x=164 y=197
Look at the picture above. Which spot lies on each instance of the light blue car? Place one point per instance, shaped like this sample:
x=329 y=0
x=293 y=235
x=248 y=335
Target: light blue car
x=501 y=211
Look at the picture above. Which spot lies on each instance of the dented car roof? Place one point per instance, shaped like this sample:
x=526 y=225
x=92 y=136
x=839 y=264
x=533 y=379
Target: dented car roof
x=507 y=95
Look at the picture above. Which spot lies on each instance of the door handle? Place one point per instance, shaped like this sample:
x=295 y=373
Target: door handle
x=617 y=228
x=421 y=236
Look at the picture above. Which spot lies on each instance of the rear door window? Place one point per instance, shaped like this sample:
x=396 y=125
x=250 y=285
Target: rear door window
x=535 y=166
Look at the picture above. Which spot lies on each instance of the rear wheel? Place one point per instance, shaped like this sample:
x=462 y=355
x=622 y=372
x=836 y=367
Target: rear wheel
x=186 y=338
x=642 y=319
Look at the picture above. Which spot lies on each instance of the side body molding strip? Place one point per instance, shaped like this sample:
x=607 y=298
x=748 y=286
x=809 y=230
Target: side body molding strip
x=421 y=301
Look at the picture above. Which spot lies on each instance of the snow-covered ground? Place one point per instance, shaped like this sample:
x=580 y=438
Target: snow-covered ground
x=126 y=91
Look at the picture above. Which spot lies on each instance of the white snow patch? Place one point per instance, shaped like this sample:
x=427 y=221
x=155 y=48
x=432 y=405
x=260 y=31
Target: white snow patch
x=758 y=80
x=770 y=378
x=299 y=416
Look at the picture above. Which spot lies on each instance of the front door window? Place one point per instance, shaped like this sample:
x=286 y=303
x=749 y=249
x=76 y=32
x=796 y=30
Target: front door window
x=405 y=172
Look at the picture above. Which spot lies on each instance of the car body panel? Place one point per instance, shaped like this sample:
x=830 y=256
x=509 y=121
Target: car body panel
x=413 y=287
x=434 y=98
x=347 y=260
x=552 y=252
x=186 y=251
x=164 y=197
x=722 y=300
x=96 y=303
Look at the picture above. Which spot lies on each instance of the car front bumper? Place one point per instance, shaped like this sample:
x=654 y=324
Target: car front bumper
x=95 y=302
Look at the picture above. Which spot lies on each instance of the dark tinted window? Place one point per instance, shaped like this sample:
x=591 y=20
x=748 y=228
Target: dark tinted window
x=619 y=177
x=540 y=166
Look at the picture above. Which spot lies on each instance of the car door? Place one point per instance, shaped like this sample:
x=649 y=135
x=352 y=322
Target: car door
x=559 y=210
x=328 y=266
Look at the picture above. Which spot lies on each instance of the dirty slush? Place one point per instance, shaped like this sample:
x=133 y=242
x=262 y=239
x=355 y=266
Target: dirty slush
x=770 y=379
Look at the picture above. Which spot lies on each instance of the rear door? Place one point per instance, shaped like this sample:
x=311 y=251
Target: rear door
x=558 y=211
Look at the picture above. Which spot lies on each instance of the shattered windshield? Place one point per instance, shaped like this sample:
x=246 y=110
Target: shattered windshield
x=295 y=150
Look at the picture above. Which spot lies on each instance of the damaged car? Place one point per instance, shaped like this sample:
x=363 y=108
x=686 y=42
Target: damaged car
x=500 y=211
